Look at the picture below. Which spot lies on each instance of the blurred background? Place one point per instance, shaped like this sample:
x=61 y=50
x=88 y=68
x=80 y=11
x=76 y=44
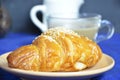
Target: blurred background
x=20 y=19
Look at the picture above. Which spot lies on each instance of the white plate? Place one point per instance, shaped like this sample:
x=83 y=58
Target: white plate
x=105 y=64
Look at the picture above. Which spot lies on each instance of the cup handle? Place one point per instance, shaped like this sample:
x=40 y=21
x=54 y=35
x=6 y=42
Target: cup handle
x=35 y=20
x=108 y=34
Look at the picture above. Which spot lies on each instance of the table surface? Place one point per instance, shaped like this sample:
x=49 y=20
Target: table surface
x=111 y=47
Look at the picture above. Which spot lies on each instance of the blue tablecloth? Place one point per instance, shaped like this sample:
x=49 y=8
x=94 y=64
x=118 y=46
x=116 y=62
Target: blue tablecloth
x=111 y=47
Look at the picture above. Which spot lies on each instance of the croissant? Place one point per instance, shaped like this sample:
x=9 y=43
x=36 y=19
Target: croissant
x=56 y=50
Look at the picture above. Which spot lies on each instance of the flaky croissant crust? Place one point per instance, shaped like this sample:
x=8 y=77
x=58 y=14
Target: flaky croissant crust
x=56 y=50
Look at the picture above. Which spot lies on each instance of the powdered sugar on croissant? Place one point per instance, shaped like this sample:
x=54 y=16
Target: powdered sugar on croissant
x=59 y=49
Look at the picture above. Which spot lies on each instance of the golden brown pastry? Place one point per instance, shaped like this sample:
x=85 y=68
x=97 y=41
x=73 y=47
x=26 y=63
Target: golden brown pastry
x=56 y=50
x=25 y=57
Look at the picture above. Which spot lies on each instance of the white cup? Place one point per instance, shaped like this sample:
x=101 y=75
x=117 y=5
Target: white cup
x=87 y=24
x=56 y=8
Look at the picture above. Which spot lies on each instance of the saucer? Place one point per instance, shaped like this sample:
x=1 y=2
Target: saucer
x=106 y=63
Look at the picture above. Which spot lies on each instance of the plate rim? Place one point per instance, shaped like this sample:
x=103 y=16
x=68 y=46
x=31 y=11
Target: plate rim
x=60 y=74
